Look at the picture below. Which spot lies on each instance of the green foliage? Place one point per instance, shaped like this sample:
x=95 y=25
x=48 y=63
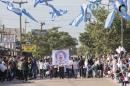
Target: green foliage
x=99 y=40
x=52 y=40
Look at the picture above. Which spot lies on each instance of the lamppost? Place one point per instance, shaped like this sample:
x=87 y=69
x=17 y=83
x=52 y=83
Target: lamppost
x=122 y=32
x=26 y=22
x=123 y=8
x=20 y=22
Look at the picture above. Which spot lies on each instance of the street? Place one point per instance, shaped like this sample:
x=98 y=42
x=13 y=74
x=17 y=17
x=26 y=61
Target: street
x=63 y=82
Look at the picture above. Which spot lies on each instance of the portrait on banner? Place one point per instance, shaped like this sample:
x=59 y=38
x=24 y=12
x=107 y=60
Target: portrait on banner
x=60 y=57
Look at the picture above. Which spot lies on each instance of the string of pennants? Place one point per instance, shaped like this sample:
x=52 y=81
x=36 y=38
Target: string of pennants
x=85 y=15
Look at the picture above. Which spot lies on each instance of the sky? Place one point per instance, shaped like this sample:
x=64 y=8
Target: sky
x=41 y=13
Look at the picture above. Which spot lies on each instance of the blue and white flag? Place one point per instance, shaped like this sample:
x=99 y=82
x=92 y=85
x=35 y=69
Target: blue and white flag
x=119 y=6
x=109 y=19
x=5 y=1
x=36 y=2
x=11 y=7
x=60 y=57
x=77 y=20
x=56 y=12
x=94 y=1
x=17 y=10
x=85 y=14
x=28 y=15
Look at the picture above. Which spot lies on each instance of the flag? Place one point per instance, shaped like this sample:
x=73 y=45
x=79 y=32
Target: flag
x=109 y=19
x=94 y=1
x=11 y=7
x=4 y=1
x=79 y=18
x=28 y=15
x=77 y=21
x=85 y=14
x=60 y=57
x=18 y=11
x=121 y=10
x=36 y=2
x=56 y=12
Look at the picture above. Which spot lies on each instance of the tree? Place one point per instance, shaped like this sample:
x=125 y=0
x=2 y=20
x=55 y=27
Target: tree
x=99 y=40
x=53 y=40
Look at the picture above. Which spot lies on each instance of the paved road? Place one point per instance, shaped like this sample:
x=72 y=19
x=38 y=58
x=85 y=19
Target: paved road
x=63 y=82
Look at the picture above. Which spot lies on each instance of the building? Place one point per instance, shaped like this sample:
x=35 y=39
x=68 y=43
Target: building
x=15 y=31
x=8 y=37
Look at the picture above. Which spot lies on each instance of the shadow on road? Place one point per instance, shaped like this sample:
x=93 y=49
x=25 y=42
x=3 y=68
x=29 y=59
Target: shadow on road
x=14 y=82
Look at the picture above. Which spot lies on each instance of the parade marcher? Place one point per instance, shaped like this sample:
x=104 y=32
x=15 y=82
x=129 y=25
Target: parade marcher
x=3 y=69
x=25 y=68
x=20 y=69
x=61 y=71
x=41 y=68
x=55 y=71
x=69 y=69
x=45 y=67
x=75 y=68
x=81 y=64
x=34 y=68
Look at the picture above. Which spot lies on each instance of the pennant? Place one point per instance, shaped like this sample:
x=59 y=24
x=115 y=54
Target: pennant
x=11 y=7
x=85 y=14
x=94 y=1
x=5 y=1
x=28 y=15
x=109 y=19
x=18 y=11
x=80 y=17
x=36 y=2
x=56 y=12
x=121 y=9
x=77 y=21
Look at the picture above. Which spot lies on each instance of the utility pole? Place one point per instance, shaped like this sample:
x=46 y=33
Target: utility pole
x=3 y=27
x=42 y=23
x=20 y=22
x=26 y=22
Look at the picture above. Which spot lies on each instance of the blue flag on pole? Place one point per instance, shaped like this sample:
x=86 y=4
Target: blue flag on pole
x=18 y=11
x=85 y=14
x=36 y=2
x=110 y=19
x=28 y=15
x=11 y=7
x=56 y=12
x=119 y=6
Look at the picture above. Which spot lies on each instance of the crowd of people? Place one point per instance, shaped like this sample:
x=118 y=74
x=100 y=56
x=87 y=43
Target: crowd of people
x=115 y=66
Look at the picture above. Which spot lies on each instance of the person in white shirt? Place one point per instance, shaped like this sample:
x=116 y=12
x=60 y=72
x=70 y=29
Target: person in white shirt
x=45 y=67
x=41 y=69
x=3 y=69
x=75 y=68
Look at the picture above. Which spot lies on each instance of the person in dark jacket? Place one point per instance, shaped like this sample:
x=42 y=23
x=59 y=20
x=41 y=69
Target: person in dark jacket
x=25 y=69
x=81 y=64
